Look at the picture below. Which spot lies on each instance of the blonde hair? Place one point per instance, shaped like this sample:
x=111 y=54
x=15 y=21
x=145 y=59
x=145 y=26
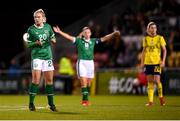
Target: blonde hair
x=43 y=14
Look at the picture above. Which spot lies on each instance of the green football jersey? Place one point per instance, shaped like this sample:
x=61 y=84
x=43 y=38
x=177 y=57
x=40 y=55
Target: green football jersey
x=44 y=34
x=85 y=49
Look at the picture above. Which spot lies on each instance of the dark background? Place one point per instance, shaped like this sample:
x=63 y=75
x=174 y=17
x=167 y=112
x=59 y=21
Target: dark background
x=17 y=16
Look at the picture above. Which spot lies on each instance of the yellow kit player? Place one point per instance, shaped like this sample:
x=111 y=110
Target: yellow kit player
x=152 y=61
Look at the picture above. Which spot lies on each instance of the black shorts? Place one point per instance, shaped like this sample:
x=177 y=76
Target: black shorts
x=152 y=69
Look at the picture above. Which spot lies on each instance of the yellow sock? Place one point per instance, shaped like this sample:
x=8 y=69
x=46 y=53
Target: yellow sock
x=150 y=91
x=160 y=89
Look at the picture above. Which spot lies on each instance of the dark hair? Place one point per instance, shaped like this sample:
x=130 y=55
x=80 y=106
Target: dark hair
x=84 y=28
x=150 y=23
x=148 y=26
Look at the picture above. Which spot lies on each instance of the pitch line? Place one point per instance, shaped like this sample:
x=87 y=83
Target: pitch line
x=18 y=107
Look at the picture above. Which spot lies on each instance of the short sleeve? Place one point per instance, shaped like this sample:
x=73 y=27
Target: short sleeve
x=162 y=41
x=51 y=32
x=98 y=40
x=29 y=35
x=144 y=43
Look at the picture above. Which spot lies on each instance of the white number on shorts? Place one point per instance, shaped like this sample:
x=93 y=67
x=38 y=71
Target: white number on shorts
x=49 y=63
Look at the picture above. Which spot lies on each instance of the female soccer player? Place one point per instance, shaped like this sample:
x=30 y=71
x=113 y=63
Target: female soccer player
x=40 y=35
x=85 y=64
x=152 y=62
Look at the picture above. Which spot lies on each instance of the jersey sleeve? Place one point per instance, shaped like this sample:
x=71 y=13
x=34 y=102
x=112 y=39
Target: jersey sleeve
x=52 y=35
x=144 y=43
x=162 y=41
x=76 y=40
x=30 y=43
x=98 y=40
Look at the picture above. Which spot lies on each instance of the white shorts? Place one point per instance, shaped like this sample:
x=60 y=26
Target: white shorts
x=85 y=68
x=44 y=65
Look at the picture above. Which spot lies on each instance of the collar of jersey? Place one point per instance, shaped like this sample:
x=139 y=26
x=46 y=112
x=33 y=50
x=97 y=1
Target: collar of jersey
x=152 y=36
x=38 y=26
x=86 y=40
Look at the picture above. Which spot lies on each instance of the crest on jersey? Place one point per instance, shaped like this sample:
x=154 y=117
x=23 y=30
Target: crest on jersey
x=45 y=31
x=152 y=43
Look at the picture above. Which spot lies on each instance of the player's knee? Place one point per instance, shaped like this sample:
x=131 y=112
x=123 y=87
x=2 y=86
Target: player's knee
x=36 y=82
x=150 y=85
x=49 y=82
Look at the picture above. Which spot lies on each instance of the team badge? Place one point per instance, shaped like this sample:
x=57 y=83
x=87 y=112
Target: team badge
x=152 y=43
x=45 y=31
x=35 y=65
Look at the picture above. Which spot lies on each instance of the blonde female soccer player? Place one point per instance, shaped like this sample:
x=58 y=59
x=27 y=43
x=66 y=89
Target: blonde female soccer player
x=85 y=64
x=39 y=38
x=152 y=62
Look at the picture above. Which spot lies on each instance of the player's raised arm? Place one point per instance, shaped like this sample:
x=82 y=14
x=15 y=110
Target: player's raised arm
x=110 y=36
x=65 y=35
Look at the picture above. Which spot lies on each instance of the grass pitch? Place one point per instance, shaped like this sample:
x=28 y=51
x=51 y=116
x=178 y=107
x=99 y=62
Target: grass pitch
x=119 y=107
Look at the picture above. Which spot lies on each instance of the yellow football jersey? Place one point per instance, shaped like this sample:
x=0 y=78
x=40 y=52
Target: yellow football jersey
x=153 y=49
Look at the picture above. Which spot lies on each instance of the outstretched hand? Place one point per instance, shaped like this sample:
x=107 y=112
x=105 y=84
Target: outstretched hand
x=63 y=34
x=117 y=33
x=56 y=29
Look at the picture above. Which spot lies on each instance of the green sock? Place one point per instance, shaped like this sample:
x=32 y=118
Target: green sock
x=32 y=92
x=50 y=94
x=84 y=93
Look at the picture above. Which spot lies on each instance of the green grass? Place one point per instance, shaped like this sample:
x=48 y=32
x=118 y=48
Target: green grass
x=102 y=107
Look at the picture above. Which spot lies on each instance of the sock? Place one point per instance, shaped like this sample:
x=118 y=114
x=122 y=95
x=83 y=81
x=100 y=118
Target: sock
x=50 y=94
x=160 y=90
x=32 y=92
x=150 y=90
x=84 y=93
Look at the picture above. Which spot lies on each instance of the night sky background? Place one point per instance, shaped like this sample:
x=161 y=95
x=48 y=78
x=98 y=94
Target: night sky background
x=16 y=17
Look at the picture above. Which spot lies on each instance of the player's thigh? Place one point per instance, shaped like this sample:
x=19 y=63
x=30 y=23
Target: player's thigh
x=157 y=78
x=150 y=78
x=48 y=76
x=36 y=76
